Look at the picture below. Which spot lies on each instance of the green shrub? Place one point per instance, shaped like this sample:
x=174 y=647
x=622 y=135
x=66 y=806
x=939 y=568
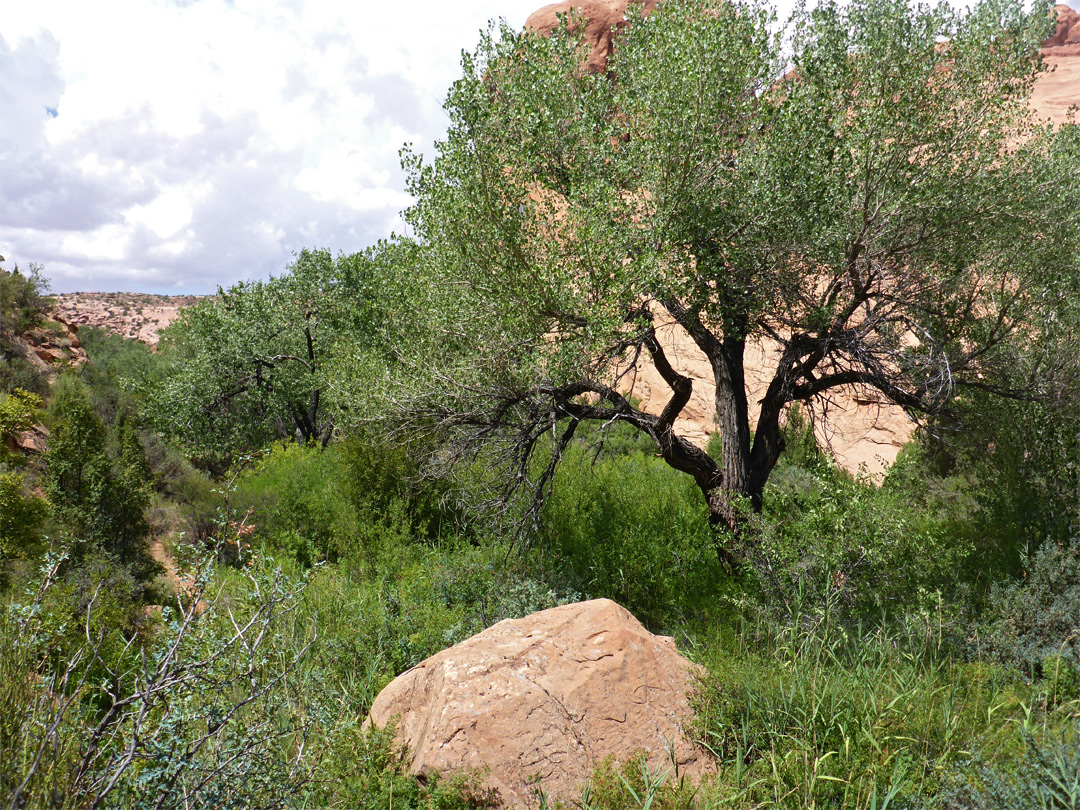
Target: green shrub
x=19 y=410
x=1046 y=778
x=810 y=715
x=192 y=711
x=624 y=525
x=1036 y=618
x=1022 y=456
x=120 y=373
x=22 y=519
x=23 y=300
x=296 y=496
x=352 y=500
x=871 y=550
x=369 y=771
x=636 y=783
x=16 y=372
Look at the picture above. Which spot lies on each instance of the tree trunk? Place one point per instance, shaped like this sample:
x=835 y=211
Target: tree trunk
x=732 y=418
x=745 y=468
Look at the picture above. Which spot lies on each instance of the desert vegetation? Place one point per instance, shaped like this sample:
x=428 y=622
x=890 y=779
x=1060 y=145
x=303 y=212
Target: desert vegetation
x=315 y=482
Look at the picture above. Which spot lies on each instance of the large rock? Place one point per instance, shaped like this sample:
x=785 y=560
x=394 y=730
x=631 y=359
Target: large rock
x=551 y=695
x=1057 y=91
x=1065 y=41
x=603 y=21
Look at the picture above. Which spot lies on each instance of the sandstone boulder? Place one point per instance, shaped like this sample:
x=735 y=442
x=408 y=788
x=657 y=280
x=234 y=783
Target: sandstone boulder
x=549 y=696
x=1066 y=33
x=603 y=21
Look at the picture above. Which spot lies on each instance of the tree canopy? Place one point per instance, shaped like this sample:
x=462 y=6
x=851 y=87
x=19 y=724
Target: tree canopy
x=249 y=363
x=869 y=193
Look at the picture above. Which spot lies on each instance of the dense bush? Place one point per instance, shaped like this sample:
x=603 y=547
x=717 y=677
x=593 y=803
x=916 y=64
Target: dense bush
x=869 y=550
x=23 y=299
x=1035 y=620
x=354 y=500
x=16 y=372
x=194 y=710
x=22 y=512
x=98 y=495
x=22 y=519
x=622 y=524
x=23 y=304
x=19 y=410
x=809 y=715
x=1022 y=459
x=120 y=374
x=1046 y=778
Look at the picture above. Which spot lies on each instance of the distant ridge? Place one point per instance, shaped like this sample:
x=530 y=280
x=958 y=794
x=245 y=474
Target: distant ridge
x=138 y=316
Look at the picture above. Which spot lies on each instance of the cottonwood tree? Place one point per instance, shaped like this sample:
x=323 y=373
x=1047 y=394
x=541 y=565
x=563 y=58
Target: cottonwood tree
x=870 y=193
x=247 y=365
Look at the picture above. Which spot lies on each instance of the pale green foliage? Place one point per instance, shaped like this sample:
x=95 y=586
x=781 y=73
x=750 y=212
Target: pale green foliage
x=1037 y=619
x=1047 y=778
x=194 y=713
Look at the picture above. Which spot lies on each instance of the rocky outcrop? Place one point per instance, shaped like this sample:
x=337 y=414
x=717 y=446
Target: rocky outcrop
x=137 y=316
x=1065 y=41
x=51 y=346
x=546 y=697
x=1058 y=89
x=603 y=21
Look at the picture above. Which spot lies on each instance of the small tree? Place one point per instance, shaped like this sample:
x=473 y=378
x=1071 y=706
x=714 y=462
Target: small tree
x=22 y=299
x=100 y=499
x=248 y=366
x=879 y=206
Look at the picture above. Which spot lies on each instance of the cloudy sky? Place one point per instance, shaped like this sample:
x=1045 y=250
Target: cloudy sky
x=176 y=145
x=172 y=146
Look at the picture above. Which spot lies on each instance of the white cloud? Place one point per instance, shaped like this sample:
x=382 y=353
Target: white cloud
x=197 y=143
x=166 y=214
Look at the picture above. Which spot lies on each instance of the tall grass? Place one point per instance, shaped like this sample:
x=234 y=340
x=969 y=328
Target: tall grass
x=810 y=714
